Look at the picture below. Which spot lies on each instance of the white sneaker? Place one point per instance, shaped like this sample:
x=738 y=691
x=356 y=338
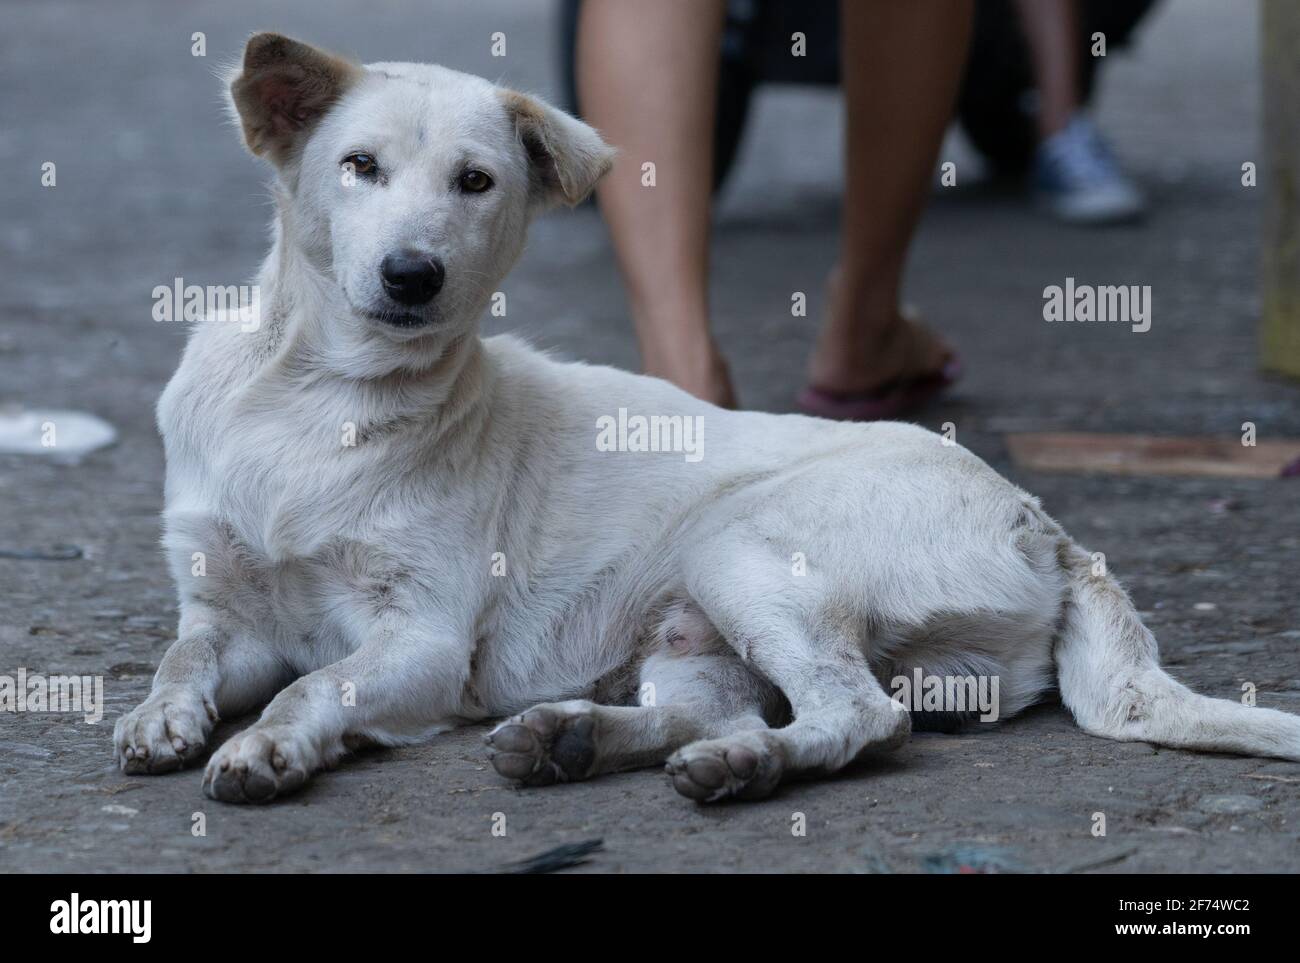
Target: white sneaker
x=1077 y=178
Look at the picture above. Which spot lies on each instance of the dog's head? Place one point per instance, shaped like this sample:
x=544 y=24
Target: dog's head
x=410 y=185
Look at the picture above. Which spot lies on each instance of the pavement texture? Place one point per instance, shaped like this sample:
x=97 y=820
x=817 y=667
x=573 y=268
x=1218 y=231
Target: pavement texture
x=152 y=185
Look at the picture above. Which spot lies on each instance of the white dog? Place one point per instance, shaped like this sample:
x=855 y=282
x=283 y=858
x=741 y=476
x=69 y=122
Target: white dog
x=388 y=527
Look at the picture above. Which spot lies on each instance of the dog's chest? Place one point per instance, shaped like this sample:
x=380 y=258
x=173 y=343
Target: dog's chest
x=286 y=482
x=286 y=532
x=314 y=603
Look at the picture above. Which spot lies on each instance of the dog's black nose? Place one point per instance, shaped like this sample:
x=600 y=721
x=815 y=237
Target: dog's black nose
x=412 y=278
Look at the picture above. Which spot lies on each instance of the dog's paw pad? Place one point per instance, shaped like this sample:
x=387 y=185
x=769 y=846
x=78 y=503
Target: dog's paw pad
x=257 y=766
x=744 y=766
x=547 y=744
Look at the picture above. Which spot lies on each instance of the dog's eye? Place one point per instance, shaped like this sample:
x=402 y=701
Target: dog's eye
x=475 y=182
x=364 y=165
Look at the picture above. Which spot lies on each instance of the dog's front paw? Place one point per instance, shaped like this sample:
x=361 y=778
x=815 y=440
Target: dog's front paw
x=165 y=732
x=745 y=765
x=549 y=743
x=259 y=764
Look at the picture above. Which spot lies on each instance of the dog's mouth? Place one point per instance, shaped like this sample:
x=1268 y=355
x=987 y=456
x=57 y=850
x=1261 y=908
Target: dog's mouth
x=404 y=320
x=392 y=316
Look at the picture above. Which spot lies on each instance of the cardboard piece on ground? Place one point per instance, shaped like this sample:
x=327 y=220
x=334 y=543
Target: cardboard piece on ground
x=1150 y=455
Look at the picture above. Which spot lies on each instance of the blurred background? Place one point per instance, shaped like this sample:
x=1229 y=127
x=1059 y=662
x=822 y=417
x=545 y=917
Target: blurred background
x=153 y=184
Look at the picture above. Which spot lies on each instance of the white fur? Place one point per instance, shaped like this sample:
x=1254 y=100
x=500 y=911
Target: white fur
x=333 y=570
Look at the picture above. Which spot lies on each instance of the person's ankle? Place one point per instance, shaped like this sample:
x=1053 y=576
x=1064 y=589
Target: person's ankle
x=694 y=365
x=858 y=361
x=861 y=309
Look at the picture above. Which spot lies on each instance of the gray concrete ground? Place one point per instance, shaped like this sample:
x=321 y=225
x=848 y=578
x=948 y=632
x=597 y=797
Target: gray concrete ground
x=152 y=185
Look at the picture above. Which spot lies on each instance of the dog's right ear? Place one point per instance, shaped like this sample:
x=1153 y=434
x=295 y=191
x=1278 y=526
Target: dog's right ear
x=283 y=89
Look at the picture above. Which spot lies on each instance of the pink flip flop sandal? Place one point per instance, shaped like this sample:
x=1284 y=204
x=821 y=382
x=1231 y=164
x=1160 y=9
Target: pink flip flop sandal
x=884 y=404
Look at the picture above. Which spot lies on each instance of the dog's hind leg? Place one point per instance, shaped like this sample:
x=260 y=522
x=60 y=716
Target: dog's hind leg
x=840 y=710
x=685 y=697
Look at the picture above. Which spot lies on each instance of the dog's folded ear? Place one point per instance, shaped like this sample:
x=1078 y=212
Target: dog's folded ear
x=283 y=89
x=566 y=155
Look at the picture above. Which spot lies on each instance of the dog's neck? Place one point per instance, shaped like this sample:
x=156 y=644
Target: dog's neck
x=440 y=383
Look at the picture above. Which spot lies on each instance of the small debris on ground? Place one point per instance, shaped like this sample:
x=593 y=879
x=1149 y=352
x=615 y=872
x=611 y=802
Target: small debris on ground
x=554 y=860
x=970 y=859
x=1231 y=804
x=55 y=553
x=51 y=432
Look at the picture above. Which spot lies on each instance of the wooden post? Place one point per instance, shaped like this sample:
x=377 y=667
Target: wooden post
x=1280 y=179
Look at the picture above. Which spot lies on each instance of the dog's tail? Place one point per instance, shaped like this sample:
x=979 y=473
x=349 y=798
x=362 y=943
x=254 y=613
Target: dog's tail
x=1110 y=679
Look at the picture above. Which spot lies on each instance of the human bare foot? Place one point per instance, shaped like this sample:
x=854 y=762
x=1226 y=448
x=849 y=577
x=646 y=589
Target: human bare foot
x=904 y=351
x=866 y=347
